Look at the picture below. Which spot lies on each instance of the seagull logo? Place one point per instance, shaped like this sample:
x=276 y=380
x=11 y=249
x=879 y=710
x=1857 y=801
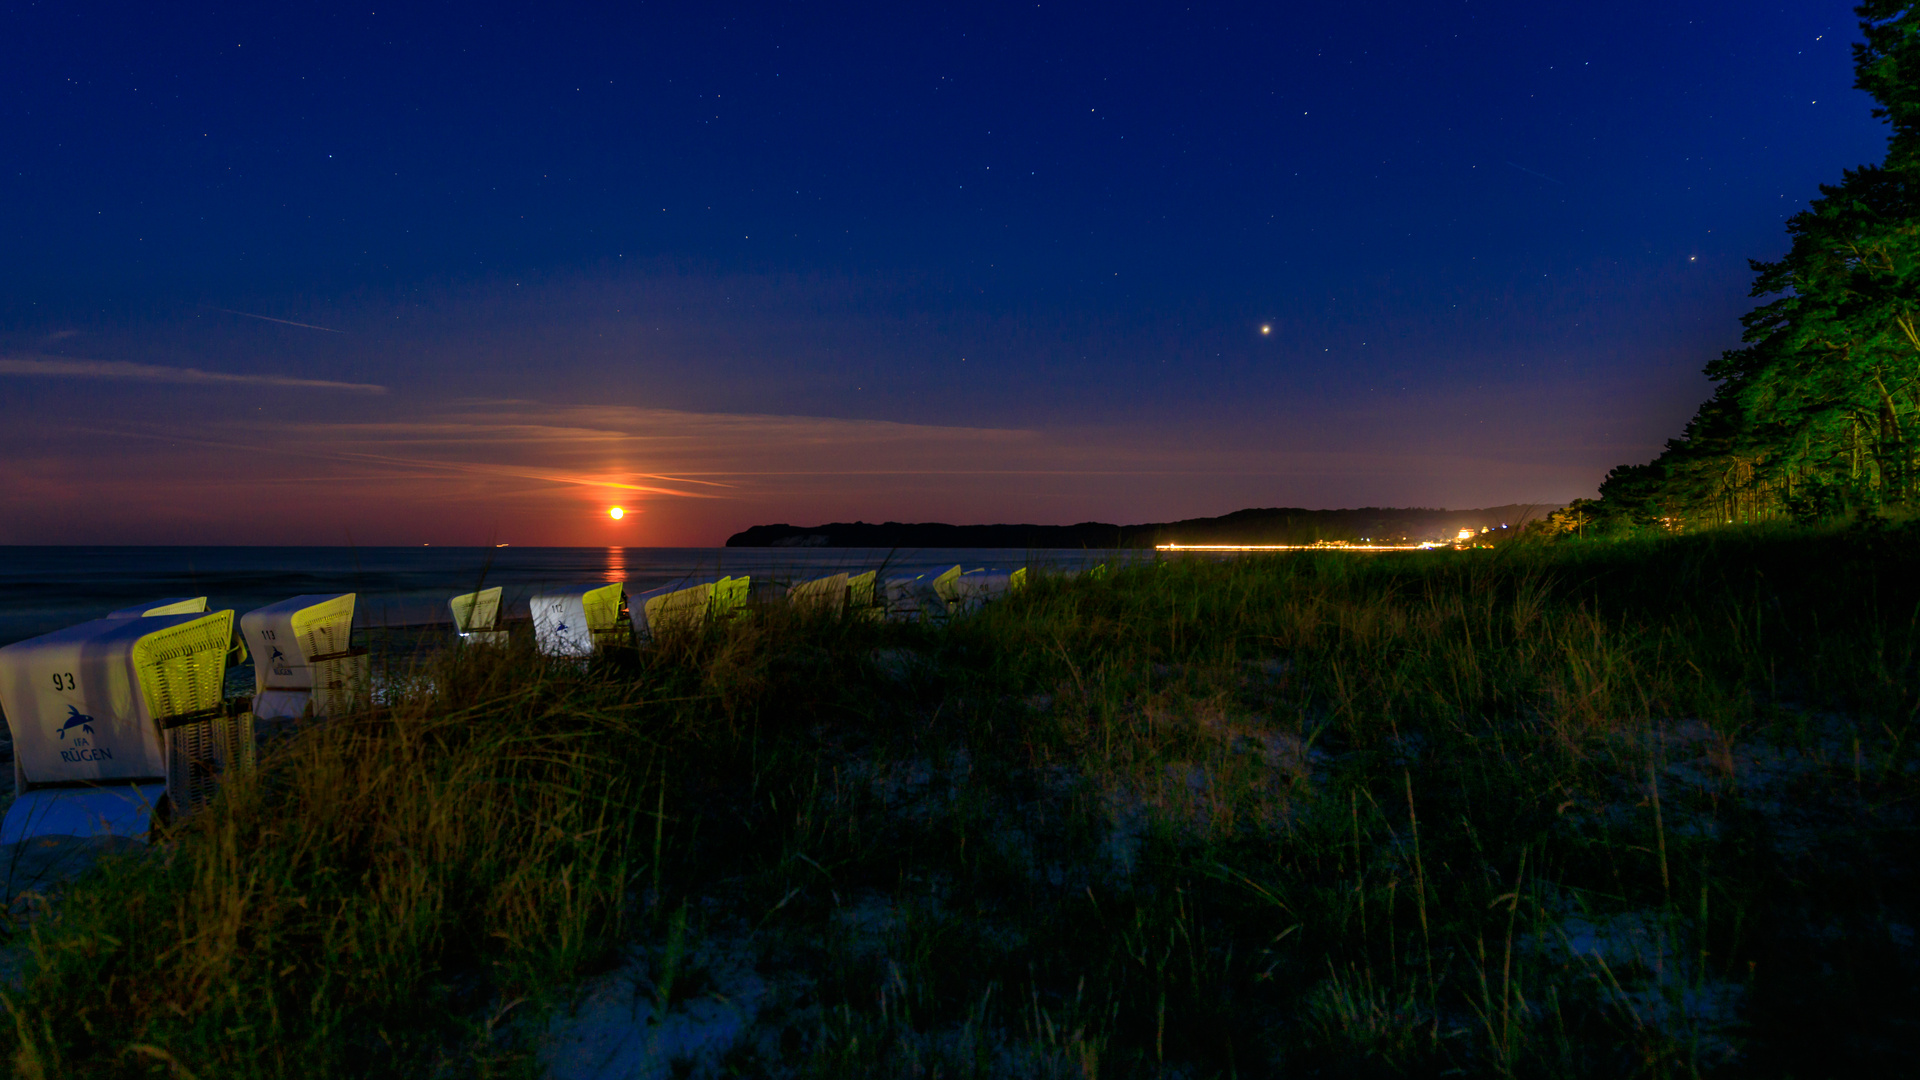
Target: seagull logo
x=76 y=718
x=277 y=656
x=560 y=629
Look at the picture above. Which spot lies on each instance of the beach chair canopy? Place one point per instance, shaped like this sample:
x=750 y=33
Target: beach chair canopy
x=476 y=617
x=573 y=621
x=476 y=610
x=671 y=609
x=860 y=594
x=730 y=596
x=179 y=605
x=87 y=704
x=821 y=594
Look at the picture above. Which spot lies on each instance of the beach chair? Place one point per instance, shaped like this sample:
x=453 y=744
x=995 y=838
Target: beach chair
x=909 y=599
x=730 y=597
x=476 y=617
x=579 y=621
x=1017 y=580
x=861 y=600
x=179 y=605
x=974 y=589
x=671 y=609
x=304 y=663
x=828 y=594
x=109 y=715
x=686 y=607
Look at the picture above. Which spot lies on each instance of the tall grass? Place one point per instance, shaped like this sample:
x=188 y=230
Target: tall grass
x=1587 y=810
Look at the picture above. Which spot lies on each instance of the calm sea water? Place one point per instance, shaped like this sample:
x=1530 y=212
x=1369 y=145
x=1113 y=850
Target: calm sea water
x=45 y=588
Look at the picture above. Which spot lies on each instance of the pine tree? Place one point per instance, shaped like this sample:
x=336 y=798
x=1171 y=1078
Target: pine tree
x=1819 y=412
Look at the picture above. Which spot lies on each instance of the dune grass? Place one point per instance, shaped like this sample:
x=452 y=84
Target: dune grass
x=1583 y=810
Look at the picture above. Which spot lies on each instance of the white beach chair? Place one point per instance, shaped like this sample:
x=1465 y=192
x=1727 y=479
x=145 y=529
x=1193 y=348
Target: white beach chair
x=304 y=663
x=476 y=617
x=578 y=621
x=909 y=599
x=108 y=715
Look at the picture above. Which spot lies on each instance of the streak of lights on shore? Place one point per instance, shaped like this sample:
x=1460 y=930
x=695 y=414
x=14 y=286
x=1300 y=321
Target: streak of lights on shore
x=1426 y=545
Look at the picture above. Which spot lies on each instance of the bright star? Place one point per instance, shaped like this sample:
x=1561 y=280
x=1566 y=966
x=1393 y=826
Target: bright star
x=1265 y=329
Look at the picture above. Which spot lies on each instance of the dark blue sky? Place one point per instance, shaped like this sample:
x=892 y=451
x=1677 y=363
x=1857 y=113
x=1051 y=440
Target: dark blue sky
x=731 y=264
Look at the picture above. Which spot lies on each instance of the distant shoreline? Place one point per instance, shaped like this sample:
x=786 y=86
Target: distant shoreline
x=1272 y=525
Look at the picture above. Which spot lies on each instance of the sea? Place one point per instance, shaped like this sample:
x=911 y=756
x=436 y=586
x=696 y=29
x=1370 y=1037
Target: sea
x=43 y=589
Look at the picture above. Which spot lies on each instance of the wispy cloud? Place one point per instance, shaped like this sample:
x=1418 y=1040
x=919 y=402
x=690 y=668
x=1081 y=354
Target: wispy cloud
x=283 y=322
x=57 y=367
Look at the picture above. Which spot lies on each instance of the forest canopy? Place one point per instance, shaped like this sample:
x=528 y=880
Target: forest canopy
x=1818 y=413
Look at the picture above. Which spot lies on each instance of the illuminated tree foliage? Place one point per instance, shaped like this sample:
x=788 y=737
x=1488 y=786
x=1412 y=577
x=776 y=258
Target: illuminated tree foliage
x=1819 y=413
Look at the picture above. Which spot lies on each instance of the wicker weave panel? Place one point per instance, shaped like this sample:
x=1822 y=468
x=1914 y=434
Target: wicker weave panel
x=202 y=753
x=183 y=668
x=325 y=628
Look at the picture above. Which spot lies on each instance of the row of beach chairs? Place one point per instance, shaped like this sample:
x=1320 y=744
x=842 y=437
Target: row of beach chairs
x=578 y=622
x=109 y=715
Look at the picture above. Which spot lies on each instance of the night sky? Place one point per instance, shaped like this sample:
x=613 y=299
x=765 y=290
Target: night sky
x=471 y=274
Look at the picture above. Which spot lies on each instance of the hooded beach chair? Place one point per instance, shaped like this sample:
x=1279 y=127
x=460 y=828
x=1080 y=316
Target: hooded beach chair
x=108 y=715
x=304 y=663
x=671 y=609
x=686 y=607
x=908 y=599
x=861 y=599
x=973 y=589
x=179 y=605
x=827 y=594
x=476 y=617
x=730 y=596
x=579 y=621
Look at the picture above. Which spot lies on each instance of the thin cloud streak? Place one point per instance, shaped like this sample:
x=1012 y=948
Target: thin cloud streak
x=36 y=366
x=283 y=322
